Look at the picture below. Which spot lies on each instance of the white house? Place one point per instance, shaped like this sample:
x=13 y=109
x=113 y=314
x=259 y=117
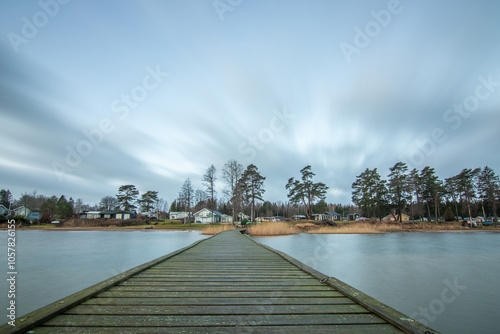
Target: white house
x=328 y=216
x=21 y=211
x=206 y=216
x=180 y=215
x=4 y=210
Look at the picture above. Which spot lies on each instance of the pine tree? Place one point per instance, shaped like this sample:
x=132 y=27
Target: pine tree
x=398 y=186
x=306 y=191
x=127 y=197
x=251 y=184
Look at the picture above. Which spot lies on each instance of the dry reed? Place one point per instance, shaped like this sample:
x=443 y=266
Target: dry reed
x=214 y=229
x=271 y=229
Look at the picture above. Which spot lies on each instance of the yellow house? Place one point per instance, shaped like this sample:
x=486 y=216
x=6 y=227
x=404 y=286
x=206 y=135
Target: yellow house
x=393 y=217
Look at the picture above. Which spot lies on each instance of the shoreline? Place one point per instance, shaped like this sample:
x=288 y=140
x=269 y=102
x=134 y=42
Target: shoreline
x=187 y=229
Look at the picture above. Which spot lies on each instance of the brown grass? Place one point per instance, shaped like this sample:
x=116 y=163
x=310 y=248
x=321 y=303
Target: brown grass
x=357 y=228
x=214 y=229
x=272 y=229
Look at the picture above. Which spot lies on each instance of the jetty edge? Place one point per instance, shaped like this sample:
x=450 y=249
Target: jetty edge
x=225 y=283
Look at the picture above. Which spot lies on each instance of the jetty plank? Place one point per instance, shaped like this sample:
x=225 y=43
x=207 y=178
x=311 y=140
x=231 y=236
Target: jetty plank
x=227 y=283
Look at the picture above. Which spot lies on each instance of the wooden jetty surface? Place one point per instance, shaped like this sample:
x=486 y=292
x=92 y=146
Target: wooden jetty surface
x=227 y=283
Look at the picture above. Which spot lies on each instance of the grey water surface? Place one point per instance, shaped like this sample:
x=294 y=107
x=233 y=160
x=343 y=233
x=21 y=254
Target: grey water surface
x=450 y=281
x=51 y=265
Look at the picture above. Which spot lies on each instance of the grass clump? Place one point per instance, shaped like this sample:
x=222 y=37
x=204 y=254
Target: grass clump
x=271 y=229
x=214 y=229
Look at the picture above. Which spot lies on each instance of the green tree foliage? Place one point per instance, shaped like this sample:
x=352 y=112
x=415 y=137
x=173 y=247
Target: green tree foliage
x=48 y=208
x=305 y=191
x=432 y=189
x=398 y=186
x=448 y=214
x=127 y=197
x=369 y=191
x=5 y=198
x=63 y=209
x=321 y=207
x=252 y=187
x=452 y=187
x=489 y=189
x=148 y=201
x=467 y=186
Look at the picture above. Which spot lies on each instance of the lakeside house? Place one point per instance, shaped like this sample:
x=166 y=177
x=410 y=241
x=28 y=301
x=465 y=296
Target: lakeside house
x=242 y=216
x=4 y=211
x=180 y=215
x=207 y=216
x=108 y=214
x=269 y=219
x=353 y=216
x=394 y=217
x=297 y=217
x=328 y=216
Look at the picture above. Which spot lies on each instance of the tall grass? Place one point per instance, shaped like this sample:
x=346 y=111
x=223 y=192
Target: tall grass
x=214 y=229
x=271 y=229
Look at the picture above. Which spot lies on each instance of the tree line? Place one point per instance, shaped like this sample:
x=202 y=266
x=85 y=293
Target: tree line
x=421 y=193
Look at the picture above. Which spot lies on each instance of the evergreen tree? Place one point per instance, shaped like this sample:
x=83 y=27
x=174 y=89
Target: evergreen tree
x=251 y=184
x=467 y=186
x=367 y=191
x=489 y=189
x=63 y=208
x=148 y=201
x=398 y=186
x=127 y=197
x=6 y=198
x=306 y=191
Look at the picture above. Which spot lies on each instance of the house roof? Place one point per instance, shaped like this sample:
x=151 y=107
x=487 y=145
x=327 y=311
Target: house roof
x=332 y=213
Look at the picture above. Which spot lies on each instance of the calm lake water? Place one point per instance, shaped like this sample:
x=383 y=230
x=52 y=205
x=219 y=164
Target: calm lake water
x=54 y=264
x=450 y=281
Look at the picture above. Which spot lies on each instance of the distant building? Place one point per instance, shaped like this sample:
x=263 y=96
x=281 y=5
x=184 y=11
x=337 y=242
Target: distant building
x=328 y=216
x=393 y=217
x=108 y=214
x=4 y=211
x=297 y=217
x=352 y=216
x=21 y=211
x=180 y=215
x=207 y=216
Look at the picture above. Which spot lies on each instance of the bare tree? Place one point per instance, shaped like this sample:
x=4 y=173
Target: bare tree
x=231 y=173
x=107 y=203
x=209 y=181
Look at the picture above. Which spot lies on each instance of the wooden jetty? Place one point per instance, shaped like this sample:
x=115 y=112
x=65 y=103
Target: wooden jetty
x=227 y=283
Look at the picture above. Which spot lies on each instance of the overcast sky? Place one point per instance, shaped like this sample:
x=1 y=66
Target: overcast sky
x=97 y=94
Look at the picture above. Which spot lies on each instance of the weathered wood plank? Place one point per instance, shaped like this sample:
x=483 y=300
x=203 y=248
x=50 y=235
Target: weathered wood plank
x=202 y=289
x=215 y=310
x=222 y=294
x=201 y=282
x=212 y=320
x=220 y=301
x=316 y=329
